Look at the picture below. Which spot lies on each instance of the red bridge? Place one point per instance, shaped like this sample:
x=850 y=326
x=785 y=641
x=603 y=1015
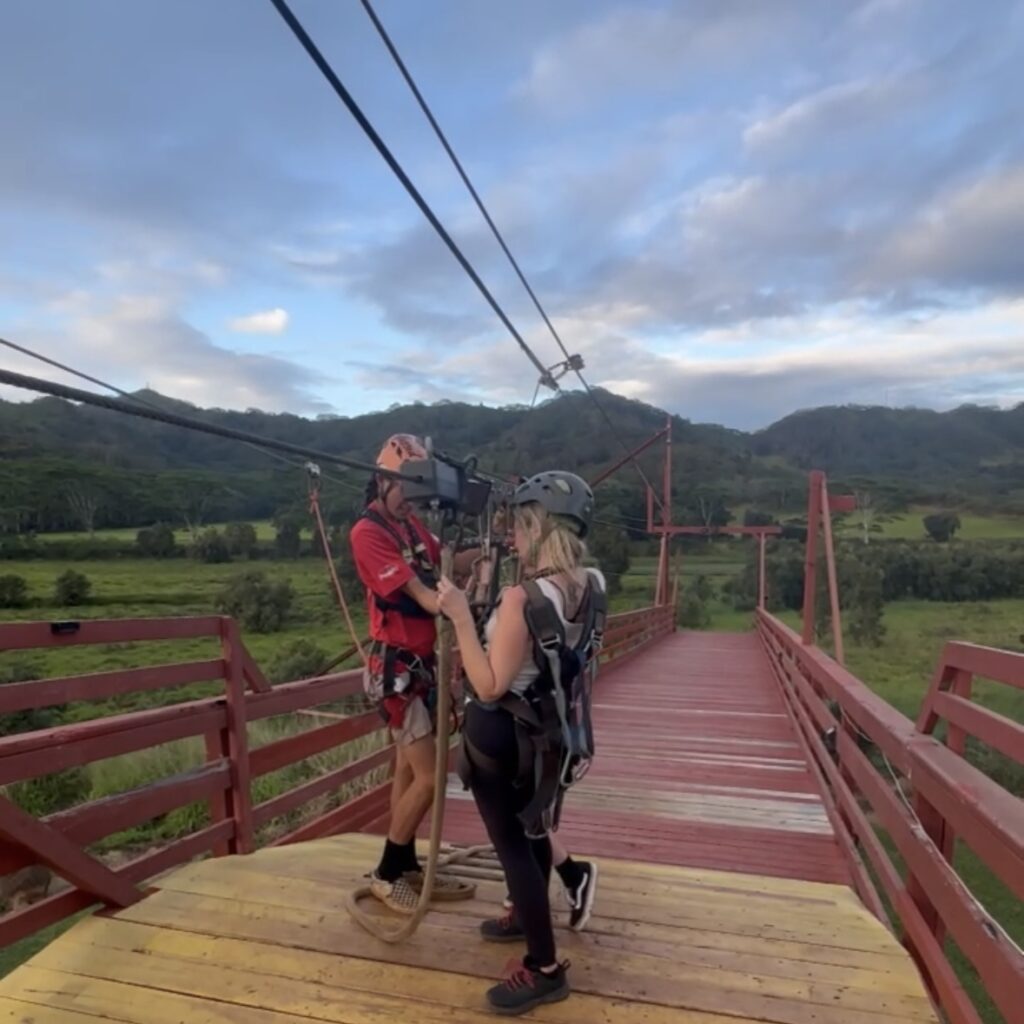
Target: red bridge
x=776 y=842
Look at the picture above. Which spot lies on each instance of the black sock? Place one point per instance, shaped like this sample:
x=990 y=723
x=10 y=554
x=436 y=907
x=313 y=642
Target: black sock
x=570 y=873
x=409 y=858
x=392 y=862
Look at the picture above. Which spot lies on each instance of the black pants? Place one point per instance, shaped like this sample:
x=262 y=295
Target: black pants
x=526 y=862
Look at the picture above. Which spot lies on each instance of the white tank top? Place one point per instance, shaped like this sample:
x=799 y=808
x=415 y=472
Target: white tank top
x=528 y=671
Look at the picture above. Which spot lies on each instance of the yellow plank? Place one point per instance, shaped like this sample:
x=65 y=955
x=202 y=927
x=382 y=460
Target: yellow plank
x=609 y=973
x=856 y=930
x=363 y=849
x=250 y=995
x=117 y=1001
x=14 y=1011
x=615 y=875
x=308 y=964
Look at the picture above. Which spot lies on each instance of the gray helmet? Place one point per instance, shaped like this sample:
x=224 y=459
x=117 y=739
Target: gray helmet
x=562 y=494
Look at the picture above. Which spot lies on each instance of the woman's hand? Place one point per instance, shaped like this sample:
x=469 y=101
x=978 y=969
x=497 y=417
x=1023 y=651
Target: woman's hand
x=453 y=603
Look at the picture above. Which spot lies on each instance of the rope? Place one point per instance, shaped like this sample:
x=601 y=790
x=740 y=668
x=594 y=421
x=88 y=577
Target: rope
x=314 y=506
x=376 y=926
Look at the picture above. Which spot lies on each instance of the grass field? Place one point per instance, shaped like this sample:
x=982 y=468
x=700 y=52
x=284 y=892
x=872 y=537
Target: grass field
x=909 y=526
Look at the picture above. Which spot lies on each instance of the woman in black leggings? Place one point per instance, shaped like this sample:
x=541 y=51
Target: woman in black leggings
x=552 y=514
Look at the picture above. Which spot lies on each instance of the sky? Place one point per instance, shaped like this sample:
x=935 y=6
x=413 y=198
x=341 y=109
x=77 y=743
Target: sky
x=732 y=209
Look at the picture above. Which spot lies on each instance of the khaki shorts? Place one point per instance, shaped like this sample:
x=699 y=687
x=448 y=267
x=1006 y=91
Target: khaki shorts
x=416 y=724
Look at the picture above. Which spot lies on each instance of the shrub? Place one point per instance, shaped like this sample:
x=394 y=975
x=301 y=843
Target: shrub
x=71 y=588
x=211 y=547
x=156 y=542
x=298 y=660
x=259 y=604
x=13 y=591
x=241 y=539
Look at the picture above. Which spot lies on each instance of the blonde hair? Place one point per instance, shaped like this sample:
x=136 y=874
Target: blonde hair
x=555 y=543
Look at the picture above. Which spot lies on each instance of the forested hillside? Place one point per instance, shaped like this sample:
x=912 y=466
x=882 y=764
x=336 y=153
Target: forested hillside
x=67 y=467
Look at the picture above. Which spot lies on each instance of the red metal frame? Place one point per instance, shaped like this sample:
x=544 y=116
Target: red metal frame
x=224 y=782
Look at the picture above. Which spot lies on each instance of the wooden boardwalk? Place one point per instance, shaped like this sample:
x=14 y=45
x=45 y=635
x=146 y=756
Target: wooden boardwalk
x=265 y=939
x=698 y=764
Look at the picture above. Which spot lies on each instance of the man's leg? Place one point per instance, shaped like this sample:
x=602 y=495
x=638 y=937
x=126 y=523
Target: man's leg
x=418 y=794
x=412 y=792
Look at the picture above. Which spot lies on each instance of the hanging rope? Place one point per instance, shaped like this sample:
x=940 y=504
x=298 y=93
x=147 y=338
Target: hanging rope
x=313 y=473
x=378 y=926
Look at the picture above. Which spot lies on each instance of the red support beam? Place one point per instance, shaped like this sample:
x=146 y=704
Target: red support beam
x=811 y=555
x=639 y=450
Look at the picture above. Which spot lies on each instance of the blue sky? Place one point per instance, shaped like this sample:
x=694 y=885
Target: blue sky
x=731 y=208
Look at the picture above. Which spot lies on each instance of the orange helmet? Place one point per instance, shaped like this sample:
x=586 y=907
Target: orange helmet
x=400 y=448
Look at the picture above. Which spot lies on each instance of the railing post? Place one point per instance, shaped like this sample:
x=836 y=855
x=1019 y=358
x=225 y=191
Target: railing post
x=811 y=555
x=235 y=740
x=762 y=592
x=833 y=582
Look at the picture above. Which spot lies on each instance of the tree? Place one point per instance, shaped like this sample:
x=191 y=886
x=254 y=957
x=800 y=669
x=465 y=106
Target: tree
x=259 y=603
x=241 y=539
x=83 y=504
x=211 y=547
x=610 y=547
x=754 y=518
x=71 y=588
x=869 y=515
x=13 y=591
x=156 y=542
x=864 y=597
x=288 y=542
x=941 y=526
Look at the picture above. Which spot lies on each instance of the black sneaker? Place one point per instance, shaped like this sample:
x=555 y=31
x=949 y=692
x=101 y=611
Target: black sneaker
x=503 y=929
x=581 y=896
x=525 y=987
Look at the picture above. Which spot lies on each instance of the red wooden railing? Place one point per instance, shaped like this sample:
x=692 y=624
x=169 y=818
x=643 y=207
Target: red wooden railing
x=929 y=797
x=225 y=782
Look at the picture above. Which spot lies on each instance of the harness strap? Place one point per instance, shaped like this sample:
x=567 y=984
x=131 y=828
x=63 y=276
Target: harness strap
x=414 y=554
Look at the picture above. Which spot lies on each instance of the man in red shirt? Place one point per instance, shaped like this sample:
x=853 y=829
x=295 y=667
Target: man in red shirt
x=398 y=560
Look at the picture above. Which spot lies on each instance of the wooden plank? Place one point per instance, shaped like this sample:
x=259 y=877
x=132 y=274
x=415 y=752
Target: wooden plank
x=235 y=739
x=188 y=946
x=31 y=919
x=281 y=753
x=985 y=816
x=90 y=822
x=327 y=783
x=30 y=755
x=48 y=846
x=999 y=962
x=137 y=1004
x=989 y=662
x=606 y=973
x=14 y=1011
x=351 y=815
x=102 y=685
x=19 y=636
x=996 y=730
x=305 y=693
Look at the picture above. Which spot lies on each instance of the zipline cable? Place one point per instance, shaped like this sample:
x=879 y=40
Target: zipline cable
x=138 y=400
x=346 y=97
x=442 y=138
x=150 y=412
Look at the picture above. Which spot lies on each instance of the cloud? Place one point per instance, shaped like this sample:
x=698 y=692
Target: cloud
x=141 y=340
x=941 y=361
x=269 y=321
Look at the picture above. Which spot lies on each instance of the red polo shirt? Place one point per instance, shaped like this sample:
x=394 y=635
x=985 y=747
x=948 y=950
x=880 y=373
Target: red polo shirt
x=384 y=572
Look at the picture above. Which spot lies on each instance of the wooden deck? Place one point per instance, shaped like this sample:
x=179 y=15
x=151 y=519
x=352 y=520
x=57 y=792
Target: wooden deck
x=264 y=939
x=698 y=764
